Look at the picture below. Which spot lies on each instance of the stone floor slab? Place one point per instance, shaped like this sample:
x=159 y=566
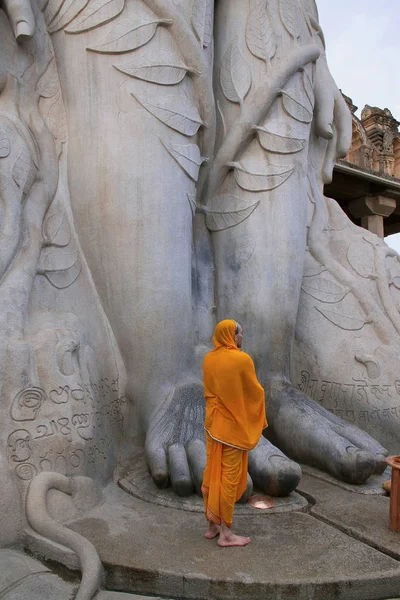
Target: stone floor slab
x=16 y=566
x=24 y=578
x=373 y=486
x=148 y=549
x=364 y=517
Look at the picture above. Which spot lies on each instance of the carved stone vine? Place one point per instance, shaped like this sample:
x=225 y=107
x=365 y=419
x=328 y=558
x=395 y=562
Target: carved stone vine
x=162 y=67
x=383 y=318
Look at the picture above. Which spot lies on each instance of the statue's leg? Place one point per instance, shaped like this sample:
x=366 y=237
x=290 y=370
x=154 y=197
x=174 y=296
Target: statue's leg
x=132 y=210
x=259 y=262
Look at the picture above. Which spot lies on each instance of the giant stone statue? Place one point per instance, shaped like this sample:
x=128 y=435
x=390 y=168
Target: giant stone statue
x=162 y=165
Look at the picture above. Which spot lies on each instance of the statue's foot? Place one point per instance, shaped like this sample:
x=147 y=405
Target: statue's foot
x=175 y=444
x=312 y=435
x=271 y=471
x=176 y=451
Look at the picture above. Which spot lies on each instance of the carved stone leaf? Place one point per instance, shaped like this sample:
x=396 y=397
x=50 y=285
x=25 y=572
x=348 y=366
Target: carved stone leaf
x=48 y=84
x=24 y=170
x=69 y=10
x=52 y=9
x=55 y=119
x=157 y=66
x=4 y=147
x=324 y=290
x=65 y=278
x=192 y=203
x=296 y=109
x=396 y=282
x=290 y=16
x=96 y=13
x=308 y=87
x=128 y=35
x=202 y=20
x=312 y=267
x=338 y=220
x=260 y=36
x=60 y=267
x=226 y=211
x=235 y=74
x=52 y=259
x=342 y=320
x=272 y=177
x=177 y=112
x=187 y=156
x=280 y=144
x=56 y=229
x=361 y=257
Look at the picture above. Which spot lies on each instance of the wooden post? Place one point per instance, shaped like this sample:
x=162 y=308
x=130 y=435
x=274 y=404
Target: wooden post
x=394 y=511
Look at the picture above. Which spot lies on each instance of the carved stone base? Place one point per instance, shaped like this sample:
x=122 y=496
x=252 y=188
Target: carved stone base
x=137 y=481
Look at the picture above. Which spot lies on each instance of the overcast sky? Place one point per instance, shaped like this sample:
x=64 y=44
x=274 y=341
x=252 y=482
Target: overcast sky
x=363 y=49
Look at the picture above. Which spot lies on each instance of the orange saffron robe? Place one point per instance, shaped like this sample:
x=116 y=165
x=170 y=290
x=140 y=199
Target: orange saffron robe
x=235 y=418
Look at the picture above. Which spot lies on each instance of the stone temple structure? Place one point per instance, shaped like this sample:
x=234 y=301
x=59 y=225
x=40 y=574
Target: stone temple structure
x=162 y=166
x=376 y=141
x=367 y=182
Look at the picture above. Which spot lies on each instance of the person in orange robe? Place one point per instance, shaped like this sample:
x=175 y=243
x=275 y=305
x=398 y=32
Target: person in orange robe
x=235 y=418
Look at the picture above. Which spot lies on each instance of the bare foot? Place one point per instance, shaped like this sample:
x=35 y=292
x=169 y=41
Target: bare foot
x=212 y=531
x=233 y=540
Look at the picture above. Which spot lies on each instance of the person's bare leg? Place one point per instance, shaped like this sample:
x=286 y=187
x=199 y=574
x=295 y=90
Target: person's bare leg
x=227 y=538
x=212 y=531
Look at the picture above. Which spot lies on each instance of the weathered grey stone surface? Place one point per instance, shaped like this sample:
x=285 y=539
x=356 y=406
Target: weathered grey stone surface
x=153 y=550
x=353 y=555
x=23 y=578
x=364 y=517
x=133 y=216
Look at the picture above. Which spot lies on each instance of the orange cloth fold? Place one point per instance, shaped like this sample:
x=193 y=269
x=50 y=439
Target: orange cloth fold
x=235 y=404
x=224 y=480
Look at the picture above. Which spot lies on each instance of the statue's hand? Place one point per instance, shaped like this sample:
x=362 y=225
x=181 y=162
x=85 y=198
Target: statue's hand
x=332 y=117
x=21 y=17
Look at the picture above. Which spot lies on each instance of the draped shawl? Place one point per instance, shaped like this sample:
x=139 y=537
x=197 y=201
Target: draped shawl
x=235 y=404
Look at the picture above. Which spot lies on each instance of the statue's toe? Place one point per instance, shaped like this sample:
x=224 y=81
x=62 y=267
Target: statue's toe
x=196 y=453
x=157 y=462
x=355 y=466
x=181 y=478
x=381 y=463
x=272 y=471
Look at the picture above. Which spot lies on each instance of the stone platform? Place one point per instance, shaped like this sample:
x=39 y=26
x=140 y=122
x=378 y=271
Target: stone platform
x=341 y=548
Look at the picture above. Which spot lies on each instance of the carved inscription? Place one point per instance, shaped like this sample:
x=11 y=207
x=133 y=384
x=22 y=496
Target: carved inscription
x=366 y=416
x=341 y=399
x=27 y=403
x=55 y=423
